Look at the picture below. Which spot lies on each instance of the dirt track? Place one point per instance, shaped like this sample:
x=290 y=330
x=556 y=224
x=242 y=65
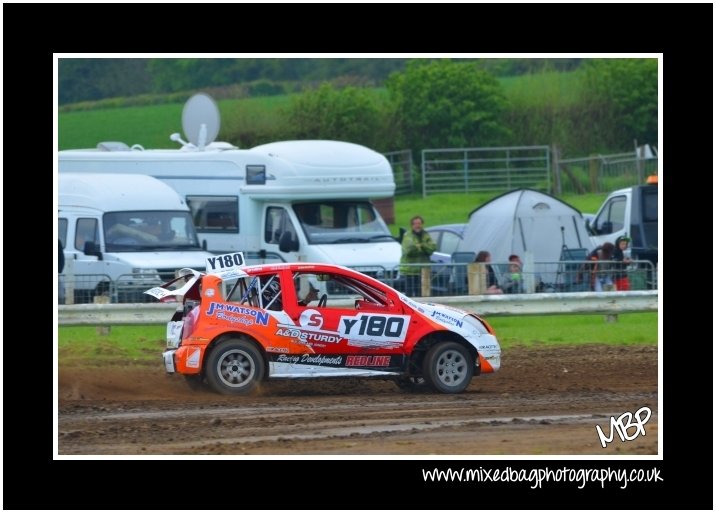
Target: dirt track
x=544 y=401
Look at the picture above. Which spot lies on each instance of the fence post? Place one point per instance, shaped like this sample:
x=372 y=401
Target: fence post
x=639 y=161
x=555 y=169
x=409 y=171
x=476 y=278
x=425 y=281
x=102 y=300
x=464 y=171
x=423 y=167
x=593 y=173
x=69 y=281
x=507 y=165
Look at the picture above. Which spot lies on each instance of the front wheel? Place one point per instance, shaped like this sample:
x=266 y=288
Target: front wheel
x=234 y=367
x=448 y=367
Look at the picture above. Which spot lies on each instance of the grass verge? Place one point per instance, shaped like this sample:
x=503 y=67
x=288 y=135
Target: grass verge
x=142 y=345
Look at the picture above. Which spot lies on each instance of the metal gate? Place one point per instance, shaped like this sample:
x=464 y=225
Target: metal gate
x=485 y=169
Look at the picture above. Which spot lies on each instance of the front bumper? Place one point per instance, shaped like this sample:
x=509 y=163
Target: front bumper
x=168 y=357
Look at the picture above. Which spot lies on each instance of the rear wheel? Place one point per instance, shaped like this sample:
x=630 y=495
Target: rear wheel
x=234 y=367
x=448 y=367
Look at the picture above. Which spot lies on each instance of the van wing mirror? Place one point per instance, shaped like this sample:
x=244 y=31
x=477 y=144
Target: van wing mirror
x=92 y=249
x=606 y=228
x=287 y=243
x=590 y=229
x=401 y=234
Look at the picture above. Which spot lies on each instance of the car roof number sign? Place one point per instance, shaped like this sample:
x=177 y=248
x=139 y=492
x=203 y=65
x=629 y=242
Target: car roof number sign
x=227 y=262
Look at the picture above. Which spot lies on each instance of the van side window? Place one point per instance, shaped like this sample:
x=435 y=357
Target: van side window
x=650 y=203
x=277 y=222
x=611 y=218
x=449 y=242
x=214 y=214
x=62 y=230
x=86 y=231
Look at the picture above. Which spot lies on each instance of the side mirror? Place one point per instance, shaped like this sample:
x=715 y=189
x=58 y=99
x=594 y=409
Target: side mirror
x=92 y=249
x=401 y=234
x=590 y=229
x=203 y=245
x=287 y=243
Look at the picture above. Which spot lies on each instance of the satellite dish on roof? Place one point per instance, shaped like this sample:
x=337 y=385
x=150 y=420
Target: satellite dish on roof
x=200 y=120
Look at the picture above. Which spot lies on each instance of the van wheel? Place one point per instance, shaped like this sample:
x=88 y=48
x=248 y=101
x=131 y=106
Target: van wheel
x=448 y=367
x=234 y=367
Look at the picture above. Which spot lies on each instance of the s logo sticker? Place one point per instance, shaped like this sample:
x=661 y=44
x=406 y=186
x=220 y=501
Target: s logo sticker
x=311 y=319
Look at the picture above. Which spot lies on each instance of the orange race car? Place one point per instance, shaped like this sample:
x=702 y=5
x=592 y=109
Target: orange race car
x=238 y=325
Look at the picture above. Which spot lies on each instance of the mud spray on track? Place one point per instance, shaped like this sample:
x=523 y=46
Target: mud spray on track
x=544 y=401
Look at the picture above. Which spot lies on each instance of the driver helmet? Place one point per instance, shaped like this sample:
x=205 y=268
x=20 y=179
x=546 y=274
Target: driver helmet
x=272 y=290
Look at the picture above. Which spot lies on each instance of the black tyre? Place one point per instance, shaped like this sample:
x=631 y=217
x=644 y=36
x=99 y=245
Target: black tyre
x=234 y=367
x=448 y=367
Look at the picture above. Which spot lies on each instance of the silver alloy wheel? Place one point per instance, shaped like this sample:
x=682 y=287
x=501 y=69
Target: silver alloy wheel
x=451 y=367
x=235 y=368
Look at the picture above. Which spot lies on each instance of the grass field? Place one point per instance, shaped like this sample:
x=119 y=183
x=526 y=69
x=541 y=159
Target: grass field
x=553 y=88
x=139 y=345
x=455 y=208
x=86 y=124
x=151 y=125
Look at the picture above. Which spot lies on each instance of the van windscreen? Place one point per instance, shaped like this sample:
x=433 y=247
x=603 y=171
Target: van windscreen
x=336 y=222
x=149 y=231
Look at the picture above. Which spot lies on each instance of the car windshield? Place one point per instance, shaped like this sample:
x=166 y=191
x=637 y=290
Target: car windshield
x=149 y=231
x=337 y=222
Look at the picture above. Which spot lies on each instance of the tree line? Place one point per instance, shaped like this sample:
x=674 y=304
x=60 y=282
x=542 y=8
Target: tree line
x=447 y=104
x=94 y=79
x=423 y=103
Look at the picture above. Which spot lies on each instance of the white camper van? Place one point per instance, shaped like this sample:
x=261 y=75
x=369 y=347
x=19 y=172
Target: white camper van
x=122 y=233
x=300 y=200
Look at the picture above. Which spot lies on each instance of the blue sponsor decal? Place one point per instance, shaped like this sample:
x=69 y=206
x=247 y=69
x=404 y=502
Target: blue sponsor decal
x=220 y=311
x=446 y=318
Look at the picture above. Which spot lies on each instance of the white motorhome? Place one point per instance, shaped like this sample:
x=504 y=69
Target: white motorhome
x=300 y=200
x=121 y=233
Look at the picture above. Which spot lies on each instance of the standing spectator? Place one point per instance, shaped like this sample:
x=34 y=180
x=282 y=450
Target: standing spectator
x=601 y=268
x=61 y=258
x=621 y=279
x=417 y=246
x=492 y=287
x=60 y=268
x=513 y=278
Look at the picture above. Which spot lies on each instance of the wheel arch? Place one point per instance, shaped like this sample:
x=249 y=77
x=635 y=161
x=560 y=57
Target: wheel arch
x=232 y=335
x=415 y=360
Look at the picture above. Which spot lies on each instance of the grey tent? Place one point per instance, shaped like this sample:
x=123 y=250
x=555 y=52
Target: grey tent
x=526 y=221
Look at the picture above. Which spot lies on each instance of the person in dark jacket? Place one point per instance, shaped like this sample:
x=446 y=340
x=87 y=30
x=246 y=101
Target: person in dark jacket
x=492 y=286
x=60 y=268
x=621 y=278
x=602 y=267
x=61 y=257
